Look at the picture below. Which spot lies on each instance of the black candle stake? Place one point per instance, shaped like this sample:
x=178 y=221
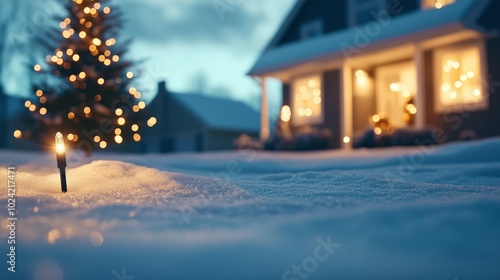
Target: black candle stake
x=61 y=160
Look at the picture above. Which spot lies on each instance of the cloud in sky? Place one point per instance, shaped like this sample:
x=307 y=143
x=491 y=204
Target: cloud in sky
x=192 y=21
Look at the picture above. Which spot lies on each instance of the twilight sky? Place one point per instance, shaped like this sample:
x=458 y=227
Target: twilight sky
x=193 y=46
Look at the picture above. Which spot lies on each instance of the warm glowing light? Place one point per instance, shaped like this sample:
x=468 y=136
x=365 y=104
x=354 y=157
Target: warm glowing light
x=470 y=74
x=100 y=81
x=71 y=115
x=456 y=65
x=137 y=94
x=27 y=104
x=458 y=84
x=103 y=144
x=54 y=58
x=118 y=112
x=32 y=108
x=141 y=105
x=43 y=111
x=130 y=75
x=76 y=57
x=453 y=95
x=110 y=42
x=43 y=99
x=18 y=134
x=347 y=139
x=102 y=58
x=116 y=58
x=82 y=75
x=121 y=120
x=411 y=108
x=118 y=139
x=82 y=34
x=135 y=108
x=118 y=131
x=132 y=90
x=66 y=34
x=406 y=93
x=97 y=138
x=87 y=110
x=98 y=97
x=137 y=137
x=97 y=6
x=375 y=118
x=107 y=62
x=135 y=127
x=106 y=10
x=86 y=10
x=447 y=68
x=63 y=25
x=438 y=5
x=152 y=121
x=446 y=87
x=88 y=24
x=96 y=41
x=377 y=130
x=463 y=78
x=70 y=137
x=69 y=52
x=317 y=100
x=59 y=53
x=308 y=112
x=92 y=48
x=37 y=67
x=476 y=92
x=59 y=143
x=72 y=78
x=107 y=52
x=39 y=93
x=286 y=113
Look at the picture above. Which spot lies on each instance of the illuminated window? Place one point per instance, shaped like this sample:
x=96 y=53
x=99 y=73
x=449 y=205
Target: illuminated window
x=361 y=11
x=436 y=4
x=307 y=101
x=458 y=78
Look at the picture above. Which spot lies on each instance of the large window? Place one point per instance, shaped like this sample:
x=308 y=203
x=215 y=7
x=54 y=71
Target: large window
x=307 y=101
x=459 y=84
x=361 y=11
x=436 y=4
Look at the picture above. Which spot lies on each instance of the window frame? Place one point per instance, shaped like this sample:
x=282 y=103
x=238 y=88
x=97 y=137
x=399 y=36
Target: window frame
x=297 y=120
x=481 y=105
x=354 y=8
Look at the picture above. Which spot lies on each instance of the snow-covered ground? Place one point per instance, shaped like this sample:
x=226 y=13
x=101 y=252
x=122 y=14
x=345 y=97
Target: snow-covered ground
x=400 y=213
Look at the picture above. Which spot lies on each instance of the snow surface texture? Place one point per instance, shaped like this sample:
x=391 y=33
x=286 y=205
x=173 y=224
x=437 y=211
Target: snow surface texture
x=398 y=213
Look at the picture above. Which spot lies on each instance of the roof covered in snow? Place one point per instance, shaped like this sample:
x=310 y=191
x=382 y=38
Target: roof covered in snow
x=218 y=113
x=421 y=24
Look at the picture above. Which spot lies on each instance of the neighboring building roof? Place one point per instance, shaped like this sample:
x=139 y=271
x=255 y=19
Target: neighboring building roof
x=422 y=23
x=223 y=114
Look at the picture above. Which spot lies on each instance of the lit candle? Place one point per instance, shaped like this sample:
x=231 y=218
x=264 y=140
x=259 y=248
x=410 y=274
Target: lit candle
x=61 y=160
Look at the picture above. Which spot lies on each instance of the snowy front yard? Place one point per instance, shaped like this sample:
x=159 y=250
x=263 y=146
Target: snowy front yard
x=402 y=213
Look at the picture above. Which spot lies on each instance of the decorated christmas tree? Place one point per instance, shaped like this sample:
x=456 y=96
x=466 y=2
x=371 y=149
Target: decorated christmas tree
x=83 y=88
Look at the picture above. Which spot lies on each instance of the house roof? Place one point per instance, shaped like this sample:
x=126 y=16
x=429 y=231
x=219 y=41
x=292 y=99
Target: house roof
x=421 y=24
x=218 y=113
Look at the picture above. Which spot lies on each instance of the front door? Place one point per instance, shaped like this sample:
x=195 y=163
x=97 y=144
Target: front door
x=395 y=86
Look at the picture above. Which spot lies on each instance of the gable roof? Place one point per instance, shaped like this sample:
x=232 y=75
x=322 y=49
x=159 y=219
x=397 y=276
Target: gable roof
x=218 y=113
x=417 y=25
x=294 y=12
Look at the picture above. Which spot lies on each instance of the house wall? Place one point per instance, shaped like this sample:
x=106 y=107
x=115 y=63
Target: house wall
x=334 y=15
x=484 y=122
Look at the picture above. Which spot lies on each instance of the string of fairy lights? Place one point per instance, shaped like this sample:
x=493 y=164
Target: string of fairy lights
x=99 y=48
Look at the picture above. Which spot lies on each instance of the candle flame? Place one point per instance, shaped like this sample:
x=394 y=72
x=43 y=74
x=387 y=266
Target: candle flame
x=59 y=143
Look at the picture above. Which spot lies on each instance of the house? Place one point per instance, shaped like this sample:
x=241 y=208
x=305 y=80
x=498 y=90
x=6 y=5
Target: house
x=350 y=65
x=194 y=122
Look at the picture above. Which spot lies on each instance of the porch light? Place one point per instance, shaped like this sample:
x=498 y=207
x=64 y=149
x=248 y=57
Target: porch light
x=347 y=139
